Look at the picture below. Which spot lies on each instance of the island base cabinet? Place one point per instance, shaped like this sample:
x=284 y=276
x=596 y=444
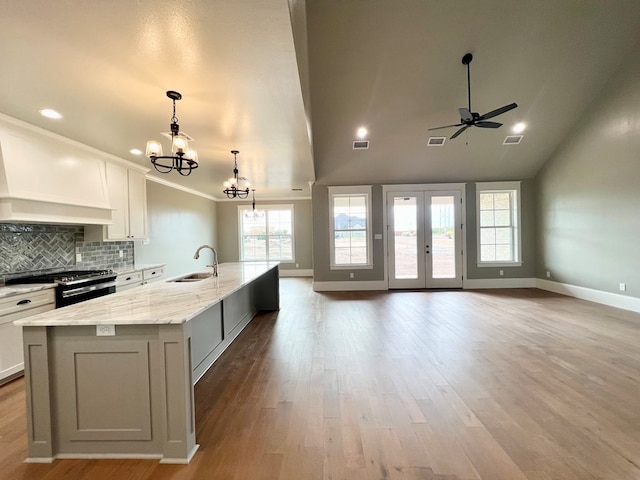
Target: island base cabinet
x=128 y=391
x=124 y=396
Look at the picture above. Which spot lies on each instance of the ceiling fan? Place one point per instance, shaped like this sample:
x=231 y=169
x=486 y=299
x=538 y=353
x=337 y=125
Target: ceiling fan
x=473 y=119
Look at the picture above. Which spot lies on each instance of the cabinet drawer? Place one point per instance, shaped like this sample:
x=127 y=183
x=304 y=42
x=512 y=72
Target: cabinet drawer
x=25 y=301
x=128 y=279
x=151 y=274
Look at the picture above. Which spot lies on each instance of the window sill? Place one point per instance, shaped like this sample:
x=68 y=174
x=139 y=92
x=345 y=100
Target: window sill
x=351 y=267
x=499 y=264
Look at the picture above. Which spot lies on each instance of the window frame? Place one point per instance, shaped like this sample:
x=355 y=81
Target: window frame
x=513 y=188
x=281 y=206
x=350 y=191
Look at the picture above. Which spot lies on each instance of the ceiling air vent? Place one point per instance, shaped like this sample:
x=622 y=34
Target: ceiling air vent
x=436 y=141
x=512 y=139
x=360 y=144
x=180 y=135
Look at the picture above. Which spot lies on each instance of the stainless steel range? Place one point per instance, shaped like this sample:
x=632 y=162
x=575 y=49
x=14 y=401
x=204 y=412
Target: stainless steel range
x=74 y=286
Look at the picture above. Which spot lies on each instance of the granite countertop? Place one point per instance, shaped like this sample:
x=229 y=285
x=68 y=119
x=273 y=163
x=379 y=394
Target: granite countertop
x=162 y=302
x=10 y=290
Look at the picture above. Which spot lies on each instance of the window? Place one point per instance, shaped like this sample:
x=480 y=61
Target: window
x=350 y=227
x=266 y=233
x=498 y=215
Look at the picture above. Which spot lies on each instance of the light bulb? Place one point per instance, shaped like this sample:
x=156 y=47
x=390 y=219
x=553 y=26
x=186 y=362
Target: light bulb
x=153 y=149
x=50 y=113
x=519 y=127
x=179 y=145
x=192 y=155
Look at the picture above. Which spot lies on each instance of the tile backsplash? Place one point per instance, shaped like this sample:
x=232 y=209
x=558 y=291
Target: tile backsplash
x=27 y=248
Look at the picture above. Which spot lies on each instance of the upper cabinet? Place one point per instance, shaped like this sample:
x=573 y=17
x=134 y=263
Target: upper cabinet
x=128 y=199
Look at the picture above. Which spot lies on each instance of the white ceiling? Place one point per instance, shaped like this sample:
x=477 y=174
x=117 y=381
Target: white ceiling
x=251 y=78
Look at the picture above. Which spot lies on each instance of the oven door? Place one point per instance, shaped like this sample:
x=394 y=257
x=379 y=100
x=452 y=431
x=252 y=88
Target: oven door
x=69 y=295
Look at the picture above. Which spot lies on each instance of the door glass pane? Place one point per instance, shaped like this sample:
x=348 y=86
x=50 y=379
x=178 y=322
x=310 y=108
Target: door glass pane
x=405 y=238
x=443 y=233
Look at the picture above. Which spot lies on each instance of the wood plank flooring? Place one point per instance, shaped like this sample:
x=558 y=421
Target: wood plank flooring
x=447 y=385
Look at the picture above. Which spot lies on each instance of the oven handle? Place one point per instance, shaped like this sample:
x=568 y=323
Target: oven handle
x=90 y=288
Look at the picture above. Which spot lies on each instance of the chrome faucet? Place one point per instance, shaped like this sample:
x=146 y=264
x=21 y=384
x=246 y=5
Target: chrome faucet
x=215 y=258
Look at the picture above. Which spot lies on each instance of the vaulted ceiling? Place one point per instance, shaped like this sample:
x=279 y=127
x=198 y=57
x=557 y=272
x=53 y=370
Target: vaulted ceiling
x=287 y=83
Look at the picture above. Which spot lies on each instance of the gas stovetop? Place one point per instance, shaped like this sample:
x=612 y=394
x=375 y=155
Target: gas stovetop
x=68 y=277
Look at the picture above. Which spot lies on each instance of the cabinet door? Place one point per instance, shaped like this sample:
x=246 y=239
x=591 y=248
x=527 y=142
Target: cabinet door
x=119 y=198
x=11 y=355
x=137 y=205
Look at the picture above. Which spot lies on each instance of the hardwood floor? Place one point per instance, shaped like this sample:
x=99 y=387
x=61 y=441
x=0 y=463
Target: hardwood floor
x=447 y=385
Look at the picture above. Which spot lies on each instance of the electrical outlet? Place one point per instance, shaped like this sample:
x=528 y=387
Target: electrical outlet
x=351 y=275
x=105 y=330
x=78 y=257
x=121 y=254
x=548 y=274
x=501 y=273
x=623 y=287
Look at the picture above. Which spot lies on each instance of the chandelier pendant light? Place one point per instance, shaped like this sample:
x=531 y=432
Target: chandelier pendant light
x=231 y=186
x=183 y=160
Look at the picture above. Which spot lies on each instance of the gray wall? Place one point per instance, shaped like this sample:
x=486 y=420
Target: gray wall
x=228 y=242
x=528 y=234
x=321 y=259
x=589 y=194
x=321 y=255
x=178 y=223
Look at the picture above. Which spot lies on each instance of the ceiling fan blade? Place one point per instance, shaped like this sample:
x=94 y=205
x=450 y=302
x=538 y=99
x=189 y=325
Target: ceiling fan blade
x=498 y=111
x=488 y=124
x=447 y=126
x=465 y=115
x=458 y=132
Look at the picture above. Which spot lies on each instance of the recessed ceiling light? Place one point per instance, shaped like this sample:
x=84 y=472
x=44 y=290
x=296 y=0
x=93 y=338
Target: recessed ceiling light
x=135 y=151
x=519 y=127
x=49 y=113
x=362 y=132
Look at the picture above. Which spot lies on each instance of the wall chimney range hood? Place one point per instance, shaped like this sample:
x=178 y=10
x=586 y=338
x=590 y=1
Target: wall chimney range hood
x=47 y=178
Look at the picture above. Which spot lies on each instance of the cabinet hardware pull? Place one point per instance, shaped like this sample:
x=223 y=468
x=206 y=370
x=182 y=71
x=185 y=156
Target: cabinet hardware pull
x=24 y=302
x=127 y=279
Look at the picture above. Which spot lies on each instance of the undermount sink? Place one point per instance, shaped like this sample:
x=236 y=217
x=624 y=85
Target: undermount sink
x=193 y=277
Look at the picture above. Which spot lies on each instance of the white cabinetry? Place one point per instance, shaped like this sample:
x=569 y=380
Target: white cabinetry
x=128 y=199
x=152 y=274
x=14 y=308
x=126 y=281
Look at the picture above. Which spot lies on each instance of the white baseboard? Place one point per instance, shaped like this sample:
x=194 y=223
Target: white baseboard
x=471 y=283
x=349 y=286
x=298 y=272
x=606 y=298
x=624 y=302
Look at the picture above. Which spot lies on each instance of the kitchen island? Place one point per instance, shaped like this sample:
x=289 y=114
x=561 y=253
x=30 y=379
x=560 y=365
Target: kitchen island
x=113 y=377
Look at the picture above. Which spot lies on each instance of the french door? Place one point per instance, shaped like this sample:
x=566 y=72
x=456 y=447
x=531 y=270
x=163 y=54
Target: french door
x=424 y=238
